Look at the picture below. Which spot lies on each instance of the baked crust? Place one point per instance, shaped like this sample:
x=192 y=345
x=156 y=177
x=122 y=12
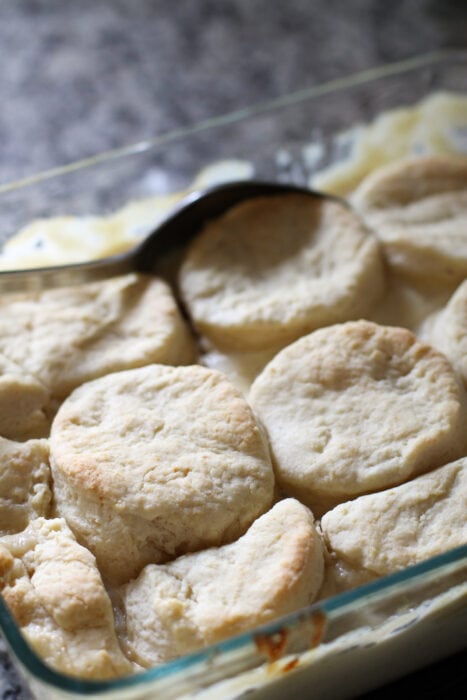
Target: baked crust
x=23 y=403
x=203 y=598
x=54 y=590
x=25 y=483
x=388 y=531
x=275 y=268
x=417 y=207
x=158 y=461
x=355 y=408
x=447 y=331
x=64 y=337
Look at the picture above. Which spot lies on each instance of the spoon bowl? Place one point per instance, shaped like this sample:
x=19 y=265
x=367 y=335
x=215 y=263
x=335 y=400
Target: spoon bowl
x=181 y=225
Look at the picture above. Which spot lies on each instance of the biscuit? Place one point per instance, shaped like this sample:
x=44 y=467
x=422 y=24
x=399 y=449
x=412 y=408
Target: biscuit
x=67 y=336
x=155 y=462
x=275 y=268
x=387 y=531
x=203 y=598
x=25 y=483
x=23 y=403
x=355 y=408
x=55 y=592
x=447 y=331
x=418 y=210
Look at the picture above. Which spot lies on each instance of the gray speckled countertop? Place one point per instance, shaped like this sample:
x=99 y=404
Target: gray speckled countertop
x=79 y=78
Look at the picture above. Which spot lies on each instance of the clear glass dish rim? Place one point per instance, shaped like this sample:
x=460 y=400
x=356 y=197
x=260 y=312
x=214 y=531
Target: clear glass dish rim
x=332 y=606
x=425 y=60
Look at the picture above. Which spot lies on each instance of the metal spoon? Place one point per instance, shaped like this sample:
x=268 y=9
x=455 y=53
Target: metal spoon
x=181 y=226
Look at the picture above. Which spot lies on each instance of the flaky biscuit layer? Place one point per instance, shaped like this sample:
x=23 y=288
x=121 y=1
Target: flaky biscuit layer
x=64 y=337
x=25 y=483
x=203 y=598
x=275 y=268
x=358 y=407
x=388 y=531
x=56 y=594
x=417 y=207
x=447 y=331
x=24 y=401
x=158 y=461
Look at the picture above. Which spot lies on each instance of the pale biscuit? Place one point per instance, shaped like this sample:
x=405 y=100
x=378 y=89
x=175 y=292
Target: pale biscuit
x=23 y=403
x=56 y=594
x=275 y=268
x=358 y=407
x=387 y=531
x=203 y=598
x=418 y=209
x=67 y=336
x=25 y=483
x=447 y=331
x=156 y=462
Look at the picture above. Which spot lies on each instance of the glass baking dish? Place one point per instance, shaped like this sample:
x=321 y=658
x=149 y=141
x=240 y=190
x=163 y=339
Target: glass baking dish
x=348 y=643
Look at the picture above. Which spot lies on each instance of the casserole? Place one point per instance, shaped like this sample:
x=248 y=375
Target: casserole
x=340 y=646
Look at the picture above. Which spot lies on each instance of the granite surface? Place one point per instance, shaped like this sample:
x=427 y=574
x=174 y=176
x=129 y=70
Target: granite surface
x=78 y=78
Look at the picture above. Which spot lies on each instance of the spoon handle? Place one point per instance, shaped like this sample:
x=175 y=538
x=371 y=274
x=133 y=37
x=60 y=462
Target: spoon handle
x=39 y=278
x=181 y=225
